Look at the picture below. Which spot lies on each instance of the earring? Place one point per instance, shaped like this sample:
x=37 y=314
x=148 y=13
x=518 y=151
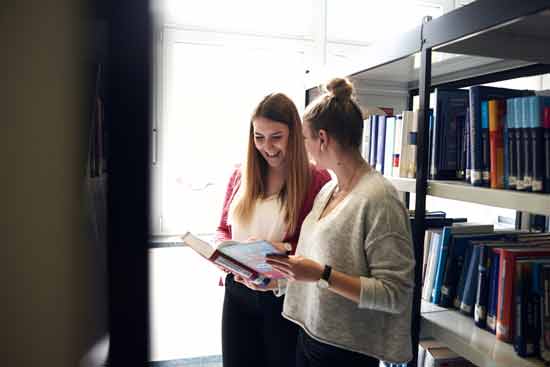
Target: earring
x=322 y=147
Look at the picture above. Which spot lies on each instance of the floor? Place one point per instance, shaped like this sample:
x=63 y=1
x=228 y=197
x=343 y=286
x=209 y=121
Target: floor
x=186 y=305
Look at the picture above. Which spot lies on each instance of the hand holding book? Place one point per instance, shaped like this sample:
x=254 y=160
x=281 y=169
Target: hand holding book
x=244 y=259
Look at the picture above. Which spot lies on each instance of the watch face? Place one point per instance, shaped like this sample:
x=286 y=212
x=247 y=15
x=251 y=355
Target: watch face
x=323 y=284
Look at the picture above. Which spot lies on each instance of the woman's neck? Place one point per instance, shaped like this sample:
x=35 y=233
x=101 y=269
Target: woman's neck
x=348 y=169
x=275 y=180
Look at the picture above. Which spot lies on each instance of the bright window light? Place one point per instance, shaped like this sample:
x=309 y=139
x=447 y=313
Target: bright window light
x=367 y=21
x=274 y=17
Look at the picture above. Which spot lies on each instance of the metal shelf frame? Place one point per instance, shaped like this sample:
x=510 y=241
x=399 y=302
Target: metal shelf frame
x=474 y=29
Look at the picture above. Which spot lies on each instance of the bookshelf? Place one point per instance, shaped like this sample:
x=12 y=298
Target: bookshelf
x=495 y=40
x=477 y=345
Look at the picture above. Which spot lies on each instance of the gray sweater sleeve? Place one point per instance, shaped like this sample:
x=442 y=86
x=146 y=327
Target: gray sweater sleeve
x=389 y=254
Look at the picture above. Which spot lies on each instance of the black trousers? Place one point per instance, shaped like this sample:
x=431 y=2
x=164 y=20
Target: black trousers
x=312 y=353
x=253 y=331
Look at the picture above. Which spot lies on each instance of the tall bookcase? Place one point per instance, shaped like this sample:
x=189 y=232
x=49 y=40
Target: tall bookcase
x=497 y=40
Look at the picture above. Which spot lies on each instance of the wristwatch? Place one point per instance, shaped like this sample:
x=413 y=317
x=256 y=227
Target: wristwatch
x=324 y=283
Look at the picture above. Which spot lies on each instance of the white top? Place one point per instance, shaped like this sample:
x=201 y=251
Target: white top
x=366 y=235
x=267 y=222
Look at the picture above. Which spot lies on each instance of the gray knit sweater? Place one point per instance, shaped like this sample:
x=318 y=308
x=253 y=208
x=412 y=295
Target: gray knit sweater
x=367 y=235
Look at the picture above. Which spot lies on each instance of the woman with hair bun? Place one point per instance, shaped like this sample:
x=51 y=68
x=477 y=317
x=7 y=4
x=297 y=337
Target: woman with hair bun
x=352 y=275
x=266 y=199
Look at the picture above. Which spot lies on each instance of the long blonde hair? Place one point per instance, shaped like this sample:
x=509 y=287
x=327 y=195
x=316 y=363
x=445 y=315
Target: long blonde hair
x=277 y=107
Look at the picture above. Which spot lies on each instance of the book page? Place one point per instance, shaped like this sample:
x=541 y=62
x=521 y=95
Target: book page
x=252 y=254
x=202 y=247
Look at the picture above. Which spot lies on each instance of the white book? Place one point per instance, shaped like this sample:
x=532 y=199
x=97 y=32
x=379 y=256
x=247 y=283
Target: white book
x=405 y=151
x=388 y=146
x=397 y=144
x=412 y=144
x=365 y=143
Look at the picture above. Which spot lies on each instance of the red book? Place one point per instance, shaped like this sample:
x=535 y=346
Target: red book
x=496 y=143
x=507 y=269
x=246 y=259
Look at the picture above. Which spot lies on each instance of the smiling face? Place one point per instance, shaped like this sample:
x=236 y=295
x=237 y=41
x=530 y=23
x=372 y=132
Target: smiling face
x=271 y=140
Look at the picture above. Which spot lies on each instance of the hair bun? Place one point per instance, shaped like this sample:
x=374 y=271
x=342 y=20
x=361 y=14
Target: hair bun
x=340 y=88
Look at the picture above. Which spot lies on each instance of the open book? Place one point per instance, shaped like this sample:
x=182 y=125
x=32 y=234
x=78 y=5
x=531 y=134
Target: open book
x=246 y=259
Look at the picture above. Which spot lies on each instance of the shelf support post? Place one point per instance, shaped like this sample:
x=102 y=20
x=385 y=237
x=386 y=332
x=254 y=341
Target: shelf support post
x=419 y=226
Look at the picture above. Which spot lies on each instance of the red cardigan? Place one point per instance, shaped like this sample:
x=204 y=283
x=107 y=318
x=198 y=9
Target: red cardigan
x=318 y=180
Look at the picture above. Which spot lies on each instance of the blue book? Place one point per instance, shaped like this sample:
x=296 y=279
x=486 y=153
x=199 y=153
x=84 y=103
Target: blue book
x=373 y=140
x=470 y=283
x=478 y=94
x=456 y=257
x=449 y=113
x=526 y=146
x=492 y=301
x=510 y=175
x=535 y=117
x=381 y=144
x=520 y=152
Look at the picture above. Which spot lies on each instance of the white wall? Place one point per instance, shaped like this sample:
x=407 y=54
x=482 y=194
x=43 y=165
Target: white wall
x=47 y=315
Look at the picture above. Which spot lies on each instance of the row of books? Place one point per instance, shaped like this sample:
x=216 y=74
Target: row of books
x=432 y=353
x=487 y=136
x=493 y=137
x=389 y=143
x=500 y=278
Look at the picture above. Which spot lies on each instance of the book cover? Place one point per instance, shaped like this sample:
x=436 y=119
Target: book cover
x=246 y=259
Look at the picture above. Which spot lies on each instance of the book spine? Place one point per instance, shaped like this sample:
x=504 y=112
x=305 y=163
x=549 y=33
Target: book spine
x=476 y=147
x=468 y=143
x=535 y=123
x=373 y=141
x=461 y=174
x=434 y=134
x=526 y=139
x=462 y=278
x=510 y=141
x=388 y=146
x=480 y=311
x=545 y=312
x=520 y=163
x=365 y=148
x=412 y=147
x=519 y=304
x=505 y=286
x=493 y=291
x=485 y=145
x=441 y=260
x=381 y=143
x=397 y=145
x=546 y=154
x=470 y=285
